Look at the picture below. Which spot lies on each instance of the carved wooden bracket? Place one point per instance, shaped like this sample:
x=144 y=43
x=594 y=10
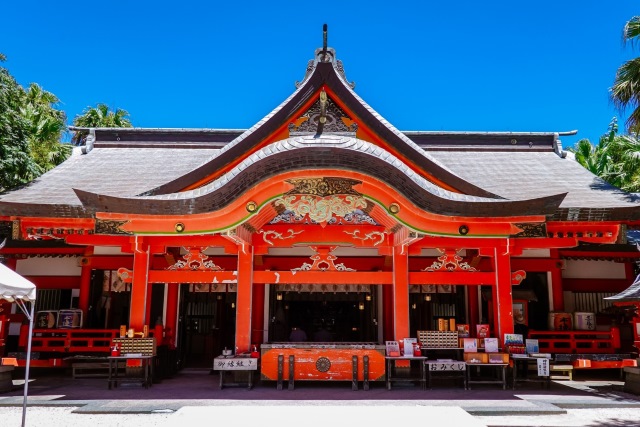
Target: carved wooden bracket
x=323 y=260
x=195 y=259
x=450 y=261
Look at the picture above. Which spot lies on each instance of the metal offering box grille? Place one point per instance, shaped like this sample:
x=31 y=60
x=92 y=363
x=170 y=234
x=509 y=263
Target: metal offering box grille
x=438 y=339
x=142 y=346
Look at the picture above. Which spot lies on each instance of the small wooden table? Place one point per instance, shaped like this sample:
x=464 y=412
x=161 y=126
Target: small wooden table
x=147 y=370
x=391 y=371
x=449 y=369
x=501 y=369
x=521 y=374
x=236 y=363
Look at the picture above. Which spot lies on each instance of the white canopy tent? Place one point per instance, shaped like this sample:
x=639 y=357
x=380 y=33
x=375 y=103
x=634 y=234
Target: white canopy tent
x=15 y=288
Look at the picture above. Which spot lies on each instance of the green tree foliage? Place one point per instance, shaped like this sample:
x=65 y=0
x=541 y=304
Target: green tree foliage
x=99 y=116
x=616 y=158
x=625 y=92
x=16 y=165
x=30 y=132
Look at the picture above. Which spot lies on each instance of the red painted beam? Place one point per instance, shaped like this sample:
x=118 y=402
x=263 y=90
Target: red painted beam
x=55 y=282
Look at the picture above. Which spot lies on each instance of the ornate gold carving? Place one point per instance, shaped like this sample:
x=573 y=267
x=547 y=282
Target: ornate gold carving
x=323 y=187
x=270 y=234
x=110 y=227
x=321 y=209
x=449 y=261
x=15 y=229
x=323 y=260
x=377 y=236
x=195 y=259
x=334 y=118
x=531 y=230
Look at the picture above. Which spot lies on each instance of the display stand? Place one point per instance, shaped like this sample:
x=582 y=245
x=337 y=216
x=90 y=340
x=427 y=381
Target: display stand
x=240 y=363
x=392 y=375
x=147 y=370
x=450 y=369
x=521 y=372
x=499 y=374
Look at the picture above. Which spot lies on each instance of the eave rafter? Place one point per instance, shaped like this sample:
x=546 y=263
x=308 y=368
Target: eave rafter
x=52 y=228
x=591 y=232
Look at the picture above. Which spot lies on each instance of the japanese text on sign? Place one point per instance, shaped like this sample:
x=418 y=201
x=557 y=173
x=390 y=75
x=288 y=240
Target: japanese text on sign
x=543 y=367
x=447 y=366
x=235 y=364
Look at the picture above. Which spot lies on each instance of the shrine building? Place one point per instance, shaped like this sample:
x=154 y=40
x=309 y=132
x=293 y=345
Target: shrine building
x=322 y=215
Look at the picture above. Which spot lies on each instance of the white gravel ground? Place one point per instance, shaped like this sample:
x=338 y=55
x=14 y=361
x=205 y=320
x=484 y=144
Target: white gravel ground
x=332 y=416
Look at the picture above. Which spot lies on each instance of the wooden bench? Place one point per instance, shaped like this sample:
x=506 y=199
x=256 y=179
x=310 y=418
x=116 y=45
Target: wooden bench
x=566 y=369
x=92 y=369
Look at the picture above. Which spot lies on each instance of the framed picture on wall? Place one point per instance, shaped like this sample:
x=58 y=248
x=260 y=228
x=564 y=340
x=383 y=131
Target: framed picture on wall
x=520 y=314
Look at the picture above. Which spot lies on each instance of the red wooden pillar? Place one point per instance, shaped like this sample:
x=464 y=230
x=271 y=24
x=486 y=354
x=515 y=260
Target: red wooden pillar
x=85 y=284
x=171 y=311
x=503 y=307
x=257 y=314
x=243 y=297
x=474 y=311
x=139 y=286
x=401 y=292
x=557 y=291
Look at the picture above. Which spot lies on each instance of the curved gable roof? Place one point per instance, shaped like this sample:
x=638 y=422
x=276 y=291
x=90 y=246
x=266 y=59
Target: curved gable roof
x=321 y=74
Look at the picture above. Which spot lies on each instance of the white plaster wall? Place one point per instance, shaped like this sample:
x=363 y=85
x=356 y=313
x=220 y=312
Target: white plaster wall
x=41 y=266
x=108 y=250
x=535 y=253
x=586 y=269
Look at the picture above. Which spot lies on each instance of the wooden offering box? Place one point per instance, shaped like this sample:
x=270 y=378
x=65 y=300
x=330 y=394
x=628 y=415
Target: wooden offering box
x=472 y=358
x=498 y=357
x=326 y=361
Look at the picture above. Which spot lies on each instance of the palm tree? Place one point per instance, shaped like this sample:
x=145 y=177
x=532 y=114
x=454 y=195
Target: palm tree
x=592 y=158
x=616 y=158
x=625 y=158
x=625 y=91
x=99 y=117
x=46 y=126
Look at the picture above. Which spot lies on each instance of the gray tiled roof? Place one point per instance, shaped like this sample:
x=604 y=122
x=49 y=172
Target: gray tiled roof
x=114 y=171
x=520 y=175
x=326 y=151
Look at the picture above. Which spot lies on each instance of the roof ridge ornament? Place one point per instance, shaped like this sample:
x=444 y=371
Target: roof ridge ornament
x=324 y=43
x=325 y=54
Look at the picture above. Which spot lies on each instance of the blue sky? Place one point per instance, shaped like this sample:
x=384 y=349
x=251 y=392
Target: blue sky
x=542 y=65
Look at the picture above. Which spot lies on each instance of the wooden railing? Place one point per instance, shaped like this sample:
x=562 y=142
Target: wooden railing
x=73 y=340
x=587 y=342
